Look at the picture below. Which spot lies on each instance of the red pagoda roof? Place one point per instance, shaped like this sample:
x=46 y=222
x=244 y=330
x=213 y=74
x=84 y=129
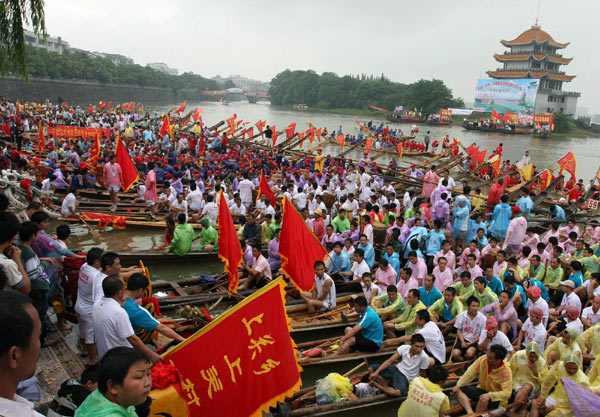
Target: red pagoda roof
x=534 y=74
x=535 y=34
x=526 y=56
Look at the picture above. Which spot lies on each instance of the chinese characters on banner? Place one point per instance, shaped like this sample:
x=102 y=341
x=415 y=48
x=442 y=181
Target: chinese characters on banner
x=241 y=363
x=74 y=132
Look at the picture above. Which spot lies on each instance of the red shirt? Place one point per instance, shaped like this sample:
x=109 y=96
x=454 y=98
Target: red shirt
x=574 y=194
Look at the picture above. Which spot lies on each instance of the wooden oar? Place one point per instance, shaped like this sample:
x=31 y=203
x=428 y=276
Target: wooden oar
x=94 y=232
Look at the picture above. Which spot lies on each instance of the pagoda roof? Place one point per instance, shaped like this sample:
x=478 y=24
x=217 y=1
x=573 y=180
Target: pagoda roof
x=526 y=56
x=535 y=34
x=533 y=74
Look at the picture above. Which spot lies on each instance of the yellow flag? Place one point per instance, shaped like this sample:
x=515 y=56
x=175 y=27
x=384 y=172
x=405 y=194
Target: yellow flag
x=527 y=172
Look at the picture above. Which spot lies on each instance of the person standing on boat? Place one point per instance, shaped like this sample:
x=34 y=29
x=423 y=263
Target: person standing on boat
x=113 y=177
x=150 y=192
x=427 y=140
x=367 y=334
x=323 y=295
x=430 y=181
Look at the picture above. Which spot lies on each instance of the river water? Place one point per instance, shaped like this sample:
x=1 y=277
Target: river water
x=545 y=153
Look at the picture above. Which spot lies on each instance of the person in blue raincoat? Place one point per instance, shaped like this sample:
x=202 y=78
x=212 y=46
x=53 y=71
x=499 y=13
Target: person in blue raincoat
x=460 y=221
x=502 y=214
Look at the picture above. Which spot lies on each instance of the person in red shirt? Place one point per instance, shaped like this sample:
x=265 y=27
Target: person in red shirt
x=569 y=185
x=499 y=149
x=494 y=195
x=575 y=193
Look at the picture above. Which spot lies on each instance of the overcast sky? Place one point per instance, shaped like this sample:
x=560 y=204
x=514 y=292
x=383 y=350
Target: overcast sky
x=406 y=40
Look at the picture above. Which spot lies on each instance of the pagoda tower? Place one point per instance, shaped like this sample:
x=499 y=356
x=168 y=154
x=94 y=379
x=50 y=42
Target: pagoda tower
x=534 y=54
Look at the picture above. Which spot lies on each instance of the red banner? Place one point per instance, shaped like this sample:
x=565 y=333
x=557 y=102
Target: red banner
x=72 y=132
x=511 y=117
x=568 y=163
x=544 y=119
x=445 y=114
x=241 y=363
x=342 y=141
x=118 y=222
x=368 y=145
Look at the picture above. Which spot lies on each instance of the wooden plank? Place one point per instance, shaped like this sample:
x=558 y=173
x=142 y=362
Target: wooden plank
x=177 y=288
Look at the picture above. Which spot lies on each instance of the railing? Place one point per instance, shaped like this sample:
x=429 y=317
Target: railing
x=530 y=69
x=555 y=92
x=532 y=52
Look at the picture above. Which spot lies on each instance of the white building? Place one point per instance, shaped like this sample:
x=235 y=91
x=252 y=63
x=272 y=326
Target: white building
x=162 y=67
x=51 y=45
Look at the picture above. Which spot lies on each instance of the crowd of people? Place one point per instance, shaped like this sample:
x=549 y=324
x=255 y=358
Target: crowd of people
x=433 y=265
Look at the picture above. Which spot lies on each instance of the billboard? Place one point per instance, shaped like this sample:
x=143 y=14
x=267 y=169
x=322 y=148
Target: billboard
x=510 y=95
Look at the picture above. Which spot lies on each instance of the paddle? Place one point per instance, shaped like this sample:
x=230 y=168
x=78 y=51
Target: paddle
x=94 y=232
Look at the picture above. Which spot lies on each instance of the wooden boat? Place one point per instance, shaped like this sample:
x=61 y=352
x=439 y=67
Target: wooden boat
x=405 y=118
x=301 y=321
x=158 y=257
x=304 y=403
x=517 y=130
x=158 y=224
x=329 y=346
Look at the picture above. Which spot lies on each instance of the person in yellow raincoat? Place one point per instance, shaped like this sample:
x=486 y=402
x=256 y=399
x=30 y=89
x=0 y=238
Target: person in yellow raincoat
x=589 y=342
x=557 y=404
x=594 y=375
x=528 y=369
x=319 y=160
x=566 y=345
x=425 y=397
x=495 y=382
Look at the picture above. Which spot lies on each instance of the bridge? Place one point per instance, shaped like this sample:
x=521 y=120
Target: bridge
x=222 y=94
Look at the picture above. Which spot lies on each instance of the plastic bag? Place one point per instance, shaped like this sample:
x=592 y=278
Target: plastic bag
x=332 y=388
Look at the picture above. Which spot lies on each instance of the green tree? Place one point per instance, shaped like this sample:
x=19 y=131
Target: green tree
x=13 y=14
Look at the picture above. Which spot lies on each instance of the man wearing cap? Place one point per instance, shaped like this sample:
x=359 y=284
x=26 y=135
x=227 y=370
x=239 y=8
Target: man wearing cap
x=535 y=300
x=572 y=319
x=491 y=336
x=533 y=330
x=569 y=299
x=515 y=234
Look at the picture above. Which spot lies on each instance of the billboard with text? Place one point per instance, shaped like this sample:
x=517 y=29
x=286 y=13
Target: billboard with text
x=510 y=95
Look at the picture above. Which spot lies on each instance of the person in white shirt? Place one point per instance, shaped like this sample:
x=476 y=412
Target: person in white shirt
x=322 y=297
x=469 y=325
x=491 y=336
x=180 y=206
x=533 y=330
x=570 y=298
x=89 y=290
x=18 y=354
x=591 y=315
x=211 y=210
x=237 y=209
x=194 y=198
x=435 y=345
x=70 y=204
x=534 y=299
x=300 y=199
x=412 y=359
x=112 y=327
x=245 y=188
x=368 y=228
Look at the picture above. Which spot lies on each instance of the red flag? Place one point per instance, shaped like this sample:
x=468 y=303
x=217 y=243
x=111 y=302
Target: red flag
x=311 y=133
x=368 y=145
x=181 y=107
x=263 y=188
x=109 y=105
x=495 y=164
x=399 y=150
x=250 y=132
x=131 y=107
x=101 y=106
x=130 y=172
x=95 y=153
x=166 y=127
x=230 y=251
x=290 y=130
x=319 y=134
x=545 y=179
x=479 y=157
x=342 y=141
x=250 y=364
x=41 y=140
x=260 y=125
x=275 y=135
x=568 y=163
x=196 y=114
x=17 y=110
x=298 y=265
x=231 y=123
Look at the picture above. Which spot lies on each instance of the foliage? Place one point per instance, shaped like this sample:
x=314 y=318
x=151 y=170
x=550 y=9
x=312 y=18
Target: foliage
x=13 y=14
x=82 y=66
x=563 y=123
x=329 y=91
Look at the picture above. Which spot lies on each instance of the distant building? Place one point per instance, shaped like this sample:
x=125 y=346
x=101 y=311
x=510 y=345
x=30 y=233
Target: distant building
x=162 y=67
x=534 y=54
x=51 y=45
x=115 y=58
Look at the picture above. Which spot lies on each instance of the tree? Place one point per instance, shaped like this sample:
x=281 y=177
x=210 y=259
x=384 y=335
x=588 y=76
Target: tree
x=13 y=14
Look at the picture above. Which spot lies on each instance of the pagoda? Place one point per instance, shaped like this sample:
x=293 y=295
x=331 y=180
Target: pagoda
x=534 y=54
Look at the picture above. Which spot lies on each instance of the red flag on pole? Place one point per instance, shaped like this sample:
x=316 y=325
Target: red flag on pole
x=196 y=114
x=342 y=141
x=41 y=140
x=290 y=130
x=109 y=105
x=298 y=265
x=260 y=125
x=275 y=135
x=165 y=128
x=181 y=107
x=263 y=188
x=399 y=150
x=240 y=364
x=131 y=107
x=479 y=157
x=250 y=132
x=95 y=153
x=568 y=163
x=545 y=179
x=368 y=145
x=230 y=251
x=130 y=172
x=319 y=134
